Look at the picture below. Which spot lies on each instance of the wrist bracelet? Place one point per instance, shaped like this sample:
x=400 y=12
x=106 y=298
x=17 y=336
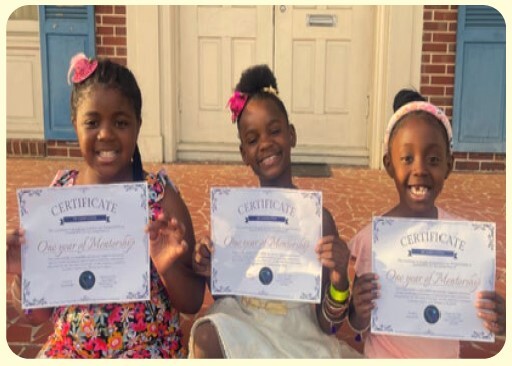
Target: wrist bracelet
x=337 y=295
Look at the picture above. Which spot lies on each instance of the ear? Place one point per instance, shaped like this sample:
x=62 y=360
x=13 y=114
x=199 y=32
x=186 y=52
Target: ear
x=293 y=135
x=386 y=160
x=450 y=165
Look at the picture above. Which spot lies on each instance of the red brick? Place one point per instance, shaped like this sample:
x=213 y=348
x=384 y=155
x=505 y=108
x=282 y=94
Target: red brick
x=60 y=152
x=427 y=15
x=17 y=333
x=424 y=79
x=16 y=148
x=434 y=47
x=441 y=101
x=443 y=80
x=121 y=51
x=450 y=69
x=119 y=60
x=488 y=165
x=104 y=31
x=9 y=147
x=75 y=153
x=104 y=9
x=443 y=59
x=500 y=157
x=449 y=112
x=460 y=155
x=437 y=7
x=120 y=9
x=432 y=90
x=433 y=69
x=30 y=351
x=114 y=20
x=114 y=41
x=120 y=31
x=435 y=26
x=481 y=156
x=452 y=27
x=105 y=51
x=99 y=43
x=427 y=37
x=467 y=165
x=425 y=58
x=98 y=19
x=452 y=48
x=444 y=37
x=445 y=15
x=449 y=90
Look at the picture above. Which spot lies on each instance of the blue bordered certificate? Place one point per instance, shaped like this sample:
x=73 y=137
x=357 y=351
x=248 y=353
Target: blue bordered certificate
x=84 y=244
x=264 y=240
x=430 y=272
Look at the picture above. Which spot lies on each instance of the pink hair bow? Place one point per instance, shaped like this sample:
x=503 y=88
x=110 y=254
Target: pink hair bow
x=82 y=66
x=236 y=103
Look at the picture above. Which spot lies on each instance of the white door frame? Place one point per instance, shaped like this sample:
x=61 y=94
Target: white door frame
x=152 y=42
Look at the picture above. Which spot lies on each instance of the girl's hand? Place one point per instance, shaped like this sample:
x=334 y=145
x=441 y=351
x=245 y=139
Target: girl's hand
x=166 y=243
x=202 y=257
x=364 y=291
x=15 y=239
x=333 y=253
x=491 y=309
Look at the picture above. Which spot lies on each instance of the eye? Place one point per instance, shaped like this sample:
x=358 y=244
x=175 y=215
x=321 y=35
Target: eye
x=90 y=123
x=122 y=124
x=251 y=139
x=434 y=160
x=275 y=131
x=406 y=159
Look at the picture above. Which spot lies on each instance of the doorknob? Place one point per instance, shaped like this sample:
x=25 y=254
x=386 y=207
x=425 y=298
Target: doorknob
x=282 y=8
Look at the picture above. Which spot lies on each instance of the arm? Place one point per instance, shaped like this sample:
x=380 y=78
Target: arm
x=172 y=243
x=15 y=239
x=334 y=256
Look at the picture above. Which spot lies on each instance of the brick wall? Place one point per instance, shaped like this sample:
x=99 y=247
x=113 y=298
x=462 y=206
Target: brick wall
x=438 y=77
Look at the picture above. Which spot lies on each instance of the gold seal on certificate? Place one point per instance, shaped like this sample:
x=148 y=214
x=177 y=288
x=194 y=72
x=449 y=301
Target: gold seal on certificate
x=84 y=244
x=264 y=241
x=431 y=270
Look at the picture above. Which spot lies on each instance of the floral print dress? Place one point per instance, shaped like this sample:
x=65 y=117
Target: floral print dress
x=149 y=329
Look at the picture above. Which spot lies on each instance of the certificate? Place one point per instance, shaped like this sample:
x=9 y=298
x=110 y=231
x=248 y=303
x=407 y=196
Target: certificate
x=430 y=272
x=84 y=244
x=264 y=240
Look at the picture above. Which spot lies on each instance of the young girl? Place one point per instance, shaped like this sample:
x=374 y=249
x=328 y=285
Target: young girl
x=418 y=158
x=242 y=327
x=106 y=114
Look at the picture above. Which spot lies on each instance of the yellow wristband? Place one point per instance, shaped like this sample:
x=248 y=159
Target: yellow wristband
x=337 y=295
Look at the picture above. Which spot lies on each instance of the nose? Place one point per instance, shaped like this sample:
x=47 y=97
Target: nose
x=265 y=141
x=104 y=133
x=420 y=167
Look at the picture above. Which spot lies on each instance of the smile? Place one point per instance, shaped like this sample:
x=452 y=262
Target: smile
x=419 y=192
x=269 y=160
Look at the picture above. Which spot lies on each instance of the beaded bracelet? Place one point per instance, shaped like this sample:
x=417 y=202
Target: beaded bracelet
x=337 y=295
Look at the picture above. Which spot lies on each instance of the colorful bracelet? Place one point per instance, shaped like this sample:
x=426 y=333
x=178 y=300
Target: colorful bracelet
x=337 y=295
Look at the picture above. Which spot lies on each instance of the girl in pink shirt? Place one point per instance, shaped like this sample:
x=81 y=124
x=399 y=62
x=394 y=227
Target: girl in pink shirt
x=418 y=158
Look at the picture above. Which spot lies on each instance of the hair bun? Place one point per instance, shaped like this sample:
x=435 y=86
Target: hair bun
x=255 y=78
x=405 y=96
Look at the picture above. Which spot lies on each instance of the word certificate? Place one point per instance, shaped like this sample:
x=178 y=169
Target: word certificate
x=264 y=243
x=430 y=272
x=84 y=244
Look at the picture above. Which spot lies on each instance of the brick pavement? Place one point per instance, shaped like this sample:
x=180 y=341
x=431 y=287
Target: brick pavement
x=352 y=195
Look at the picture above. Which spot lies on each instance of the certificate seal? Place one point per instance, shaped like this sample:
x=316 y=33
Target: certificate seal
x=266 y=276
x=87 y=280
x=431 y=314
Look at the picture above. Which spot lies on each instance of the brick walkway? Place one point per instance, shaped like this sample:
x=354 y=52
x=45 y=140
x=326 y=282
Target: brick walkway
x=352 y=195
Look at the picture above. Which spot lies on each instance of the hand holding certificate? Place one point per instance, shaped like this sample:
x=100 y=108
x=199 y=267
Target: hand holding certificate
x=431 y=270
x=264 y=243
x=84 y=244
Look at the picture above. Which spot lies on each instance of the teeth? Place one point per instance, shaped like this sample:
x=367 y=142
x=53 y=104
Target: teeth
x=419 y=190
x=106 y=154
x=268 y=160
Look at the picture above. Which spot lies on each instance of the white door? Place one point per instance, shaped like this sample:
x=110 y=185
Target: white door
x=216 y=44
x=322 y=61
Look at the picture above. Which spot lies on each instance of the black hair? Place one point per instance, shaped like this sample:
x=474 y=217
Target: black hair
x=252 y=83
x=406 y=96
x=119 y=77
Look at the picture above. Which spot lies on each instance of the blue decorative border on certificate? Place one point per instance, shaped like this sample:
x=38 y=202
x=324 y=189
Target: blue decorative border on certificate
x=218 y=289
x=316 y=291
x=21 y=199
x=27 y=301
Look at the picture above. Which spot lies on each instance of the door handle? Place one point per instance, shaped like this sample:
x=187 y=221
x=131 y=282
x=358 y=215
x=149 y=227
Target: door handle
x=321 y=20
